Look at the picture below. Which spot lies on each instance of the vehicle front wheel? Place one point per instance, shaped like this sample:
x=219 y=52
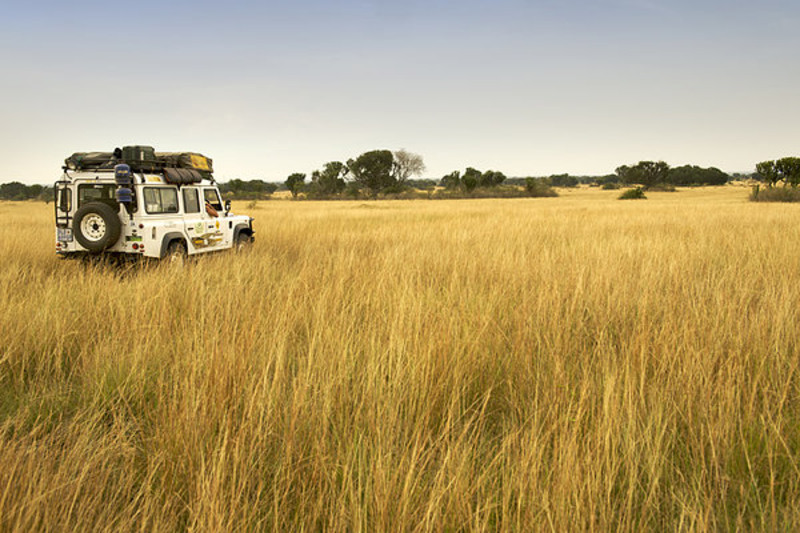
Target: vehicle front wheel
x=243 y=242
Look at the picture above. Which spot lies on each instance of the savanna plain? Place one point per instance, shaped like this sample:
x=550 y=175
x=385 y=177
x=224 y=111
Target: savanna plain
x=539 y=364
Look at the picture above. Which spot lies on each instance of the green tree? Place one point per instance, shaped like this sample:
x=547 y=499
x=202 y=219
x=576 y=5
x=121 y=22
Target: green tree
x=563 y=180
x=788 y=169
x=491 y=178
x=645 y=173
x=694 y=175
x=234 y=186
x=330 y=180
x=407 y=164
x=623 y=173
x=295 y=183
x=373 y=170
x=608 y=179
x=471 y=179
x=768 y=172
x=13 y=190
x=451 y=181
x=247 y=189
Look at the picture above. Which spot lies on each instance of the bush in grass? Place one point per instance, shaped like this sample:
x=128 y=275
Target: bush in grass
x=775 y=194
x=633 y=194
x=539 y=188
x=610 y=186
x=662 y=187
x=563 y=180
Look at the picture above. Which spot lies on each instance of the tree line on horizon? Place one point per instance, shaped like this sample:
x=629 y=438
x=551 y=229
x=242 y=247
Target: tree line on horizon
x=387 y=173
x=384 y=172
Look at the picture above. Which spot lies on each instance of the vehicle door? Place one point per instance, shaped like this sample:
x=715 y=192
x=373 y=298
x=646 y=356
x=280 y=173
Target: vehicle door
x=194 y=220
x=214 y=235
x=161 y=211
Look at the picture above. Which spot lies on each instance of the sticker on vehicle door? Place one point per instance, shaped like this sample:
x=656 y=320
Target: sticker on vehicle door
x=207 y=240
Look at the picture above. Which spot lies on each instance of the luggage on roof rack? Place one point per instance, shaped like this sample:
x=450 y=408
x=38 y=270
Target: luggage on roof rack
x=90 y=161
x=188 y=160
x=145 y=159
x=182 y=176
x=141 y=158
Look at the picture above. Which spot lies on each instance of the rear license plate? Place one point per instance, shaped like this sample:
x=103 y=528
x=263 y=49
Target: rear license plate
x=64 y=234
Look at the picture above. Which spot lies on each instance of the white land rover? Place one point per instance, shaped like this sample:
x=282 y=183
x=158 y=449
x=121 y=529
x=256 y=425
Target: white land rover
x=158 y=213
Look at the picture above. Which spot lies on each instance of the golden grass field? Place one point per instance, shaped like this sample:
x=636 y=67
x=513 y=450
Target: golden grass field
x=560 y=364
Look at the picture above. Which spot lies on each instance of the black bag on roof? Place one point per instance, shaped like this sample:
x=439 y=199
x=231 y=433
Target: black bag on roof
x=90 y=160
x=141 y=158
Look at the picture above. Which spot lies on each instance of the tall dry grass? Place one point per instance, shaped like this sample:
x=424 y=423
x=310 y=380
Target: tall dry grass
x=532 y=364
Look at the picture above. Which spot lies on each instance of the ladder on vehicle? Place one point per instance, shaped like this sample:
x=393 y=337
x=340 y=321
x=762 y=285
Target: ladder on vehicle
x=63 y=203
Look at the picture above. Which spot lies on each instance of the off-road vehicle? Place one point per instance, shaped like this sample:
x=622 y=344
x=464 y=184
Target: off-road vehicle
x=135 y=202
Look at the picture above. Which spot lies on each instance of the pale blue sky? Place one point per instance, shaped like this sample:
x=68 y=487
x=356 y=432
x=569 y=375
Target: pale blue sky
x=525 y=87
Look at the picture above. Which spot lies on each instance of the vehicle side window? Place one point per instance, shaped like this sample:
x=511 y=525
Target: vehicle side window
x=158 y=200
x=97 y=193
x=191 y=201
x=212 y=197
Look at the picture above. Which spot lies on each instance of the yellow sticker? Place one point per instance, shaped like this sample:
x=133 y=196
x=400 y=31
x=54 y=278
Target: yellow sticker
x=199 y=162
x=217 y=224
x=153 y=179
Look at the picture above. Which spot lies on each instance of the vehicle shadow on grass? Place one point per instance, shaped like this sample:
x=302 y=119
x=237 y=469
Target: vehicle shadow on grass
x=126 y=266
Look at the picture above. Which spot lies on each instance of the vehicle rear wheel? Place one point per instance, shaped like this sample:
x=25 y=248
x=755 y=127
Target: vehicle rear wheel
x=176 y=252
x=96 y=226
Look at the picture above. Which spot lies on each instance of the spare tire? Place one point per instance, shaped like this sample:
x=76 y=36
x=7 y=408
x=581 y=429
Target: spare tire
x=96 y=226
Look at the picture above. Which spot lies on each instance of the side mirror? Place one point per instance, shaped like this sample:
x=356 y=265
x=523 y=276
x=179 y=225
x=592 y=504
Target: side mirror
x=227 y=206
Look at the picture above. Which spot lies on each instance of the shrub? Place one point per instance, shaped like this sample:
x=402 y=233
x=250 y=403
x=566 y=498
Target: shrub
x=499 y=191
x=775 y=194
x=662 y=187
x=610 y=186
x=633 y=194
x=539 y=188
x=563 y=180
x=612 y=179
x=395 y=188
x=352 y=190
